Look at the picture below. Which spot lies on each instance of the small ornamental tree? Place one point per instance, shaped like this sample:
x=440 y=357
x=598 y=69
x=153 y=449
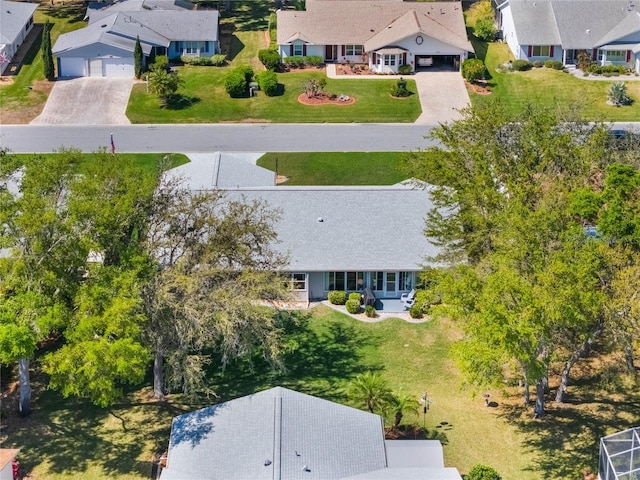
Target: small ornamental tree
x=164 y=84
x=138 y=58
x=473 y=70
x=47 y=55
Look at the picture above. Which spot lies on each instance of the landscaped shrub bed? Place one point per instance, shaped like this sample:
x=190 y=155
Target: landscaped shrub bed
x=555 y=64
x=353 y=306
x=306 y=61
x=214 y=61
x=270 y=59
x=611 y=69
x=404 y=69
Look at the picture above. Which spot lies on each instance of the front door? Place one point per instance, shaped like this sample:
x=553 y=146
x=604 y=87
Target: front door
x=391 y=284
x=330 y=52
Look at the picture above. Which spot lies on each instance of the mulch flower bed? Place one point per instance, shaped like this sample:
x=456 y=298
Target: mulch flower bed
x=324 y=99
x=480 y=89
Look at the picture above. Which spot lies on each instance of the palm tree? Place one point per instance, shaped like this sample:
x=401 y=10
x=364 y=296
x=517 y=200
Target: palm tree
x=400 y=405
x=371 y=390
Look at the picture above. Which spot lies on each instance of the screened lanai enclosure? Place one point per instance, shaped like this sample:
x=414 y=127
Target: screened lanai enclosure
x=620 y=456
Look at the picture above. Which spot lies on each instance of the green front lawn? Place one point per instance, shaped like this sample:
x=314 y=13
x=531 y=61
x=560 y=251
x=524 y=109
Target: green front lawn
x=551 y=88
x=204 y=100
x=336 y=168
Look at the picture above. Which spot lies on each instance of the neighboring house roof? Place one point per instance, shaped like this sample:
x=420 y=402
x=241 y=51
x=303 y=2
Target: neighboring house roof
x=574 y=24
x=327 y=228
x=280 y=434
x=373 y=23
x=629 y=25
x=274 y=434
x=118 y=27
x=13 y=17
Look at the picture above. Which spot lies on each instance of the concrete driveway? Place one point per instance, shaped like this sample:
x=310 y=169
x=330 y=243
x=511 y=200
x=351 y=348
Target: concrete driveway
x=442 y=95
x=87 y=101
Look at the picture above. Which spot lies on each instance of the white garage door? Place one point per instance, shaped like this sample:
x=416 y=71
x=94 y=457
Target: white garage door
x=72 y=67
x=118 y=67
x=95 y=67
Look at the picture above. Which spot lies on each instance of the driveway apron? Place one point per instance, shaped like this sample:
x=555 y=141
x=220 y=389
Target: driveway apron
x=87 y=101
x=442 y=96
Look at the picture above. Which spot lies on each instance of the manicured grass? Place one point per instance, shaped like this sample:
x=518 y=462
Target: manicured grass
x=67 y=438
x=147 y=163
x=341 y=168
x=551 y=88
x=204 y=99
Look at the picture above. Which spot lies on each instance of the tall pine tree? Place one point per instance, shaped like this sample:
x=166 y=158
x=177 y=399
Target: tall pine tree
x=47 y=55
x=137 y=58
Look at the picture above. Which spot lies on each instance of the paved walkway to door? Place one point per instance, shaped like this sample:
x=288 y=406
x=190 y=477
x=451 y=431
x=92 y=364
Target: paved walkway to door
x=442 y=93
x=87 y=101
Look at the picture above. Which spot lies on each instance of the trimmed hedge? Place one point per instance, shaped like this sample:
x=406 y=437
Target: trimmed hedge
x=354 y=296
x=337 y=297
x=301 y=62
x=521 y=65
x=555 y=64
x=404 y=69
x=473 y=69
x=235 y=83
x=268 y=82
x=353 y=306
x=604 y=69
x=270 y=59
x=214 y=61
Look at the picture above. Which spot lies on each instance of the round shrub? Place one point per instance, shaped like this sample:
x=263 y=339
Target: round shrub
x=268 y=82
x=270 y=59
x=337 y=297
x=218 y=60
x=555 y=64
x=353 y=306
x=521 y=65
x=473 y=70
x=538 y=64
x=370 y=311
x=415 y=312
x=247 y=71
x=482 y=472
x=235 y=83
x=354 y=296
x=404 y=69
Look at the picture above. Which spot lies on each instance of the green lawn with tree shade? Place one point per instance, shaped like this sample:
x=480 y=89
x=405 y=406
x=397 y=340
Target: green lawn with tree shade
x=69 y=438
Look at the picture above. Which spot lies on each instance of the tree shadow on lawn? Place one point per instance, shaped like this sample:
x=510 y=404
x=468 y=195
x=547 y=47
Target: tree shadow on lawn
x=179 y=101
x=75 y=12
x=566 y=441
x=249 y=16
x=317 y=361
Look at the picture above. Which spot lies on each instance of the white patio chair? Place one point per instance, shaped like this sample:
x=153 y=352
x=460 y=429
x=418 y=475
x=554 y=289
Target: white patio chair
x=408 y=299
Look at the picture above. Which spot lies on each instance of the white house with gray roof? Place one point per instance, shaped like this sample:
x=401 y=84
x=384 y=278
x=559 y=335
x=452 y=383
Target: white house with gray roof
x=381 y=33
x=280 y=434
x=337 y=237
x=16 y=21
x=608 y=30
x=165 y=27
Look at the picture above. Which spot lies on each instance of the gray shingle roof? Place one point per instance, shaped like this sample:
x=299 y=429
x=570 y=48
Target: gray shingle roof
x=408 y=474
x=362 y=228
x=118 y=27
x=338 y=22
x=13 y=18
x=629 y=26
x=274 y=434
x=574 y=24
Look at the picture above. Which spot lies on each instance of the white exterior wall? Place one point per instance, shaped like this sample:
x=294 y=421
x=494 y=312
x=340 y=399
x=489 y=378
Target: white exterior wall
x=10 y=49
x=509 y=33
x=312 y=50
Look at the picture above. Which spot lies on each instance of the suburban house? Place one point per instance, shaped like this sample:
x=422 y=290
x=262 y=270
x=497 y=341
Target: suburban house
x=336 y=237
x=381 y=33
x=282 y=434
x=608 y=30
x=16 y=21
x=104 y=48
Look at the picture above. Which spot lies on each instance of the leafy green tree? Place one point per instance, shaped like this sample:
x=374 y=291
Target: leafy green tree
x=485 y=29
x=47 y=55
x=371 y=390
x=482 y=472
x=42 y=270
x=214 y=284
x=138 y=58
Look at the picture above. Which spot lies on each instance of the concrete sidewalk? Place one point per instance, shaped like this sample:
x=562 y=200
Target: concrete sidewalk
x=441 y=94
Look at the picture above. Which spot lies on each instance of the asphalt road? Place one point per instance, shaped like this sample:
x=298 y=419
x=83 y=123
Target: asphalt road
x=223 y=137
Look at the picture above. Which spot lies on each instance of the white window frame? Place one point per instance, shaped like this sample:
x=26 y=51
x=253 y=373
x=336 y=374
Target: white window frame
x=613 y=55
x=353 y=49
x=298 y=50
x=299 y=281
x=406 y=281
